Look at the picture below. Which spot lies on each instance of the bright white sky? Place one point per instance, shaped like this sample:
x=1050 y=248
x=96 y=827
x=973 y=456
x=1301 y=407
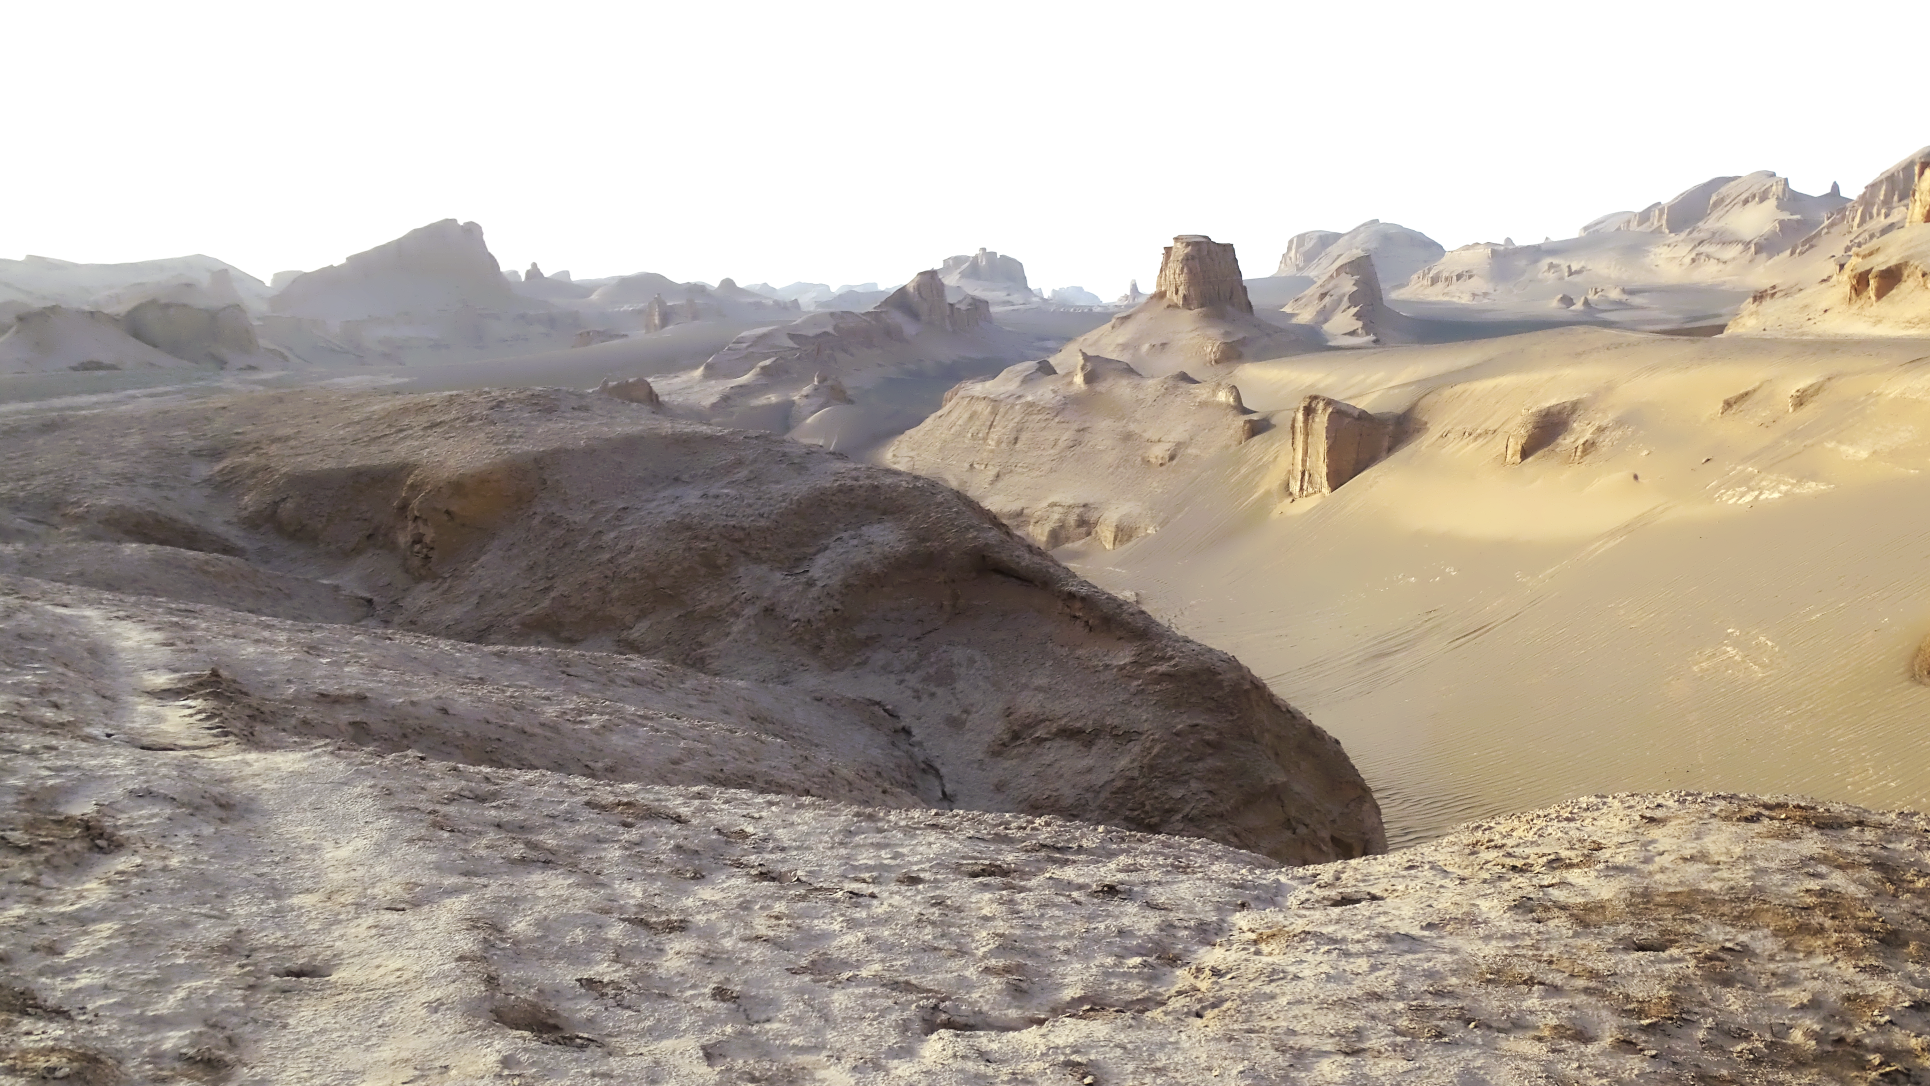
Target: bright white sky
x=849 y=141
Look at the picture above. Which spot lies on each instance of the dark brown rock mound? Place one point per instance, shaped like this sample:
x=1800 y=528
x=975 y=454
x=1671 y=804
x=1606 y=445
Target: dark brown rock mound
x=550 y=517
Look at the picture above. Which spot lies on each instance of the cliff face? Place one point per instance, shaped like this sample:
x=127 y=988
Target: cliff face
x=1332 y=443
x=1200 y=273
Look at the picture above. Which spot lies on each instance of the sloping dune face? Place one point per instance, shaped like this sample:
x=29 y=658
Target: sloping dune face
x=991 y=676
x=1592 y=561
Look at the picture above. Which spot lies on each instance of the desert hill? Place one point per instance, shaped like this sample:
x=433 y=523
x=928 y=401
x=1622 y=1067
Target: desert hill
x=1691 y=259
x=888 y=366
x=952 y=658
x=1004 y=441
x=998 y=279
x=1347 y=306
x=1863 y=272
x=45 y=281
x=1397 y=251
x=58 y=338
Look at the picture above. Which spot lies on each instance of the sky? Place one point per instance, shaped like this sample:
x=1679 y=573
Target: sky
x=842 y=142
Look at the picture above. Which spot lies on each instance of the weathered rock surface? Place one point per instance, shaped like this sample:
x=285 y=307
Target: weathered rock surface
x=1087 y=452
x=337 y=908
x=549 y=518
x=1537 y=429
x=440 y=266
x=1332 y=443
x=1881 y=290
x=1197 y=272
x=923 y=300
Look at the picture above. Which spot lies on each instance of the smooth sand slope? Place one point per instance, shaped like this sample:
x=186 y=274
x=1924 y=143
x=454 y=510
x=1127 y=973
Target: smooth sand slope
x=1705 y=571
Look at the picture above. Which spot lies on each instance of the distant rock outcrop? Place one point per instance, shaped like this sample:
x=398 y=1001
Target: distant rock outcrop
x=988 y=275
x=923 y=300
x=218 y=337
x=1197 y=272
x=926 y=654
x=1304 y=249
x=1865 y=272
x=1199 y=317
x=590 y=337
x=1347 y=306
x=440 y=266
x=1397 y=251
x=1332 y=443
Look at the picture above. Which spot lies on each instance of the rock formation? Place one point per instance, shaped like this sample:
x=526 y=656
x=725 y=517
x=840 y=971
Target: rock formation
x=1865 y=272
x=436 y=267
x=57 y=338
x=631 y=390
x=923 y=300
x=1397 y=251
x=998 y=279
x=1920 y=196
x=534 y=273
x=755 y=382
x=952 y=656
x=1132 y=295
x=1199 y=317
x=1197 y=272
x=1332 y=443
x=217 y=337
x=1347 y=306
x=1088 y=452
x=1304 y=249
x=1538 y=428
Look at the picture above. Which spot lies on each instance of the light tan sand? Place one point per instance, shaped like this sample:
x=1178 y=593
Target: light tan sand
x=1715 y=578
